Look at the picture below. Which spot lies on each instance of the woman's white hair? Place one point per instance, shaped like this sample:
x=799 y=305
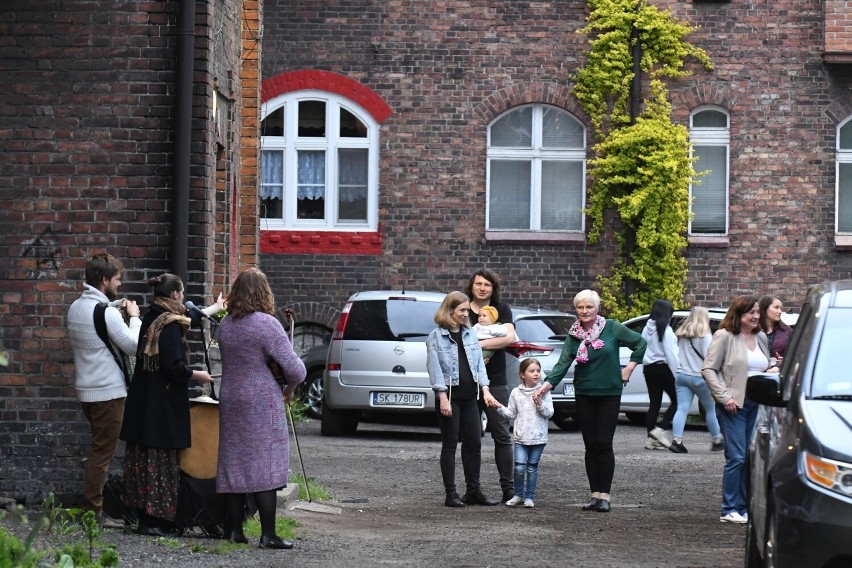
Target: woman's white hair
x=589 y=296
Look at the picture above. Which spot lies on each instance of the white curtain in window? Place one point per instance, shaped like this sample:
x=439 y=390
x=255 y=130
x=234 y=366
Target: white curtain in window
x=709 y=196
x=271 y=174
x=561 y=196
x=509 y=195
x=560 y=130
x=844 y=198
x=311 y=175
x=352 y=174
x=513 y=130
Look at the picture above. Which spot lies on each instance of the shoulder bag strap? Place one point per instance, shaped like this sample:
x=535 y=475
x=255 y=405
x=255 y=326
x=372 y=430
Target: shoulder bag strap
x=101 y=328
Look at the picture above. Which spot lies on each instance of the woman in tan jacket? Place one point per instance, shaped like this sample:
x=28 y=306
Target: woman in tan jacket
x=739 y=348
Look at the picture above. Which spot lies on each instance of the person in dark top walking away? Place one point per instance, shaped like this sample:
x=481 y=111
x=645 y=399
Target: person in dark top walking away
x=483 y=289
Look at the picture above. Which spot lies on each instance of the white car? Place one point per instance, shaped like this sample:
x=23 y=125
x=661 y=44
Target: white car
x=634 y=398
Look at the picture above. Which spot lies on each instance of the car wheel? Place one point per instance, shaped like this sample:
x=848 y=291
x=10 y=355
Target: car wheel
x=310 y=393
x=566 y=422
x=752 y=554
x=337 y=422
x=636 y=418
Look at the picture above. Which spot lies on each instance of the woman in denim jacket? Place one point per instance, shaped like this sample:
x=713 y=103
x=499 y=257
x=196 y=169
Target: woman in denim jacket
x=457 y=373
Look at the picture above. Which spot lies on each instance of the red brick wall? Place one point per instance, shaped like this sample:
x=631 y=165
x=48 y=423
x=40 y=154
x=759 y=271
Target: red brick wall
x=87 y=146
x=448 y=68
x=838 y=26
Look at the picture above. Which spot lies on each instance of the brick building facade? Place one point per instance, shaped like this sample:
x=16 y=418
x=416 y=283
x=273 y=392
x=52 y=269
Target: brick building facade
x=89 y=130
x=448 y=70
x=88 y=127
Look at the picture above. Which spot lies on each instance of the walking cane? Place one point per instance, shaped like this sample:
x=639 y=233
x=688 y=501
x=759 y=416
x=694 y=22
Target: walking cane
x=289 y=314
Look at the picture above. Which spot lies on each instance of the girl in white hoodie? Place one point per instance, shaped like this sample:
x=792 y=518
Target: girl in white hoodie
x=530 y=431
x=660 y=367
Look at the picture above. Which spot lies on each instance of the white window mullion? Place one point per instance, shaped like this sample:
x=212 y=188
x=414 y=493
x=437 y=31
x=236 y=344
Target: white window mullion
x=535 y=196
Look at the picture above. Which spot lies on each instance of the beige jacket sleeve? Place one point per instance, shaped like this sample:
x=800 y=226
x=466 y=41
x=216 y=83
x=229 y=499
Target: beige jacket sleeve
x=726 y=366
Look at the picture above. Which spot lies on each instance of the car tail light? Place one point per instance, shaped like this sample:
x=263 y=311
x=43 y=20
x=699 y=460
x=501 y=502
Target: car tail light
x=341 y=322
x=526 y=349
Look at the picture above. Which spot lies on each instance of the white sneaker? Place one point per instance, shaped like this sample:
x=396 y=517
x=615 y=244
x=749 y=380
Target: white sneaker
x=662 y=436
x=528 y=503
x=652 y=444
x=733 y=517
x=516 y=500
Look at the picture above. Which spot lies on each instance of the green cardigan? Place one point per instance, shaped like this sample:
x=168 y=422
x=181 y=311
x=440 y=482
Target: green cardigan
x=601 y=374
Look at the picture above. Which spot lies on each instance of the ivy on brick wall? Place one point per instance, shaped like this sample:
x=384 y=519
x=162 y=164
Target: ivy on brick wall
x=642 y=167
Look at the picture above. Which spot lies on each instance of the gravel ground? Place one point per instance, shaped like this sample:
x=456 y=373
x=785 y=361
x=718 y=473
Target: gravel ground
x=388 y=510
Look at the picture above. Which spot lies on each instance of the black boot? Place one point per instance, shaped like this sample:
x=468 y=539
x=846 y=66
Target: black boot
x=453 y=500
x=235 y=507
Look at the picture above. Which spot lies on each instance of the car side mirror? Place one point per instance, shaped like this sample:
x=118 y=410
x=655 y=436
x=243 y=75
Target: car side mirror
x=765 y=390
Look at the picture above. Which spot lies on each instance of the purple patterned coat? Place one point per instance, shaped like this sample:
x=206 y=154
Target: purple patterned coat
x=253 y=435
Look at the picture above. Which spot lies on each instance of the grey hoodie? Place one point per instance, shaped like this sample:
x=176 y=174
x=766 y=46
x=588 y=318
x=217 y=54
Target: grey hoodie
x=664 y=351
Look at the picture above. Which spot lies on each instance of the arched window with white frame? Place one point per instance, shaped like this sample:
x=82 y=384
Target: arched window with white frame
x=536 y=171
x=710 y=135
x=318 y=163
x=843 y=201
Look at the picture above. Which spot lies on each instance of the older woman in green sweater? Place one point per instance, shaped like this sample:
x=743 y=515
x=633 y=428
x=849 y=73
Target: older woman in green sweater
x=593 y=342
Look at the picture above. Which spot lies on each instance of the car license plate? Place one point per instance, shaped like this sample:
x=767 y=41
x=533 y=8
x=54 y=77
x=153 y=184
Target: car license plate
x=568 y=390
x=398 y=399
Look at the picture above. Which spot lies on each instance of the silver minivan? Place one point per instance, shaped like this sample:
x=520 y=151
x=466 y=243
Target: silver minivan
x=377 y=358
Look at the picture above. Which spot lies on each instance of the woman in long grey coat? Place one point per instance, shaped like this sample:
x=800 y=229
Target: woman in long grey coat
x=253 y=435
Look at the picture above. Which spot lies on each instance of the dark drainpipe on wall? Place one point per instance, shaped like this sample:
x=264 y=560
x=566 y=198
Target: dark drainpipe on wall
x=183 y=136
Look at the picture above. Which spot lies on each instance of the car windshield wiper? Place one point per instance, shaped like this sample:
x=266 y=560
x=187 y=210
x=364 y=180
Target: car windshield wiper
x=833 y=397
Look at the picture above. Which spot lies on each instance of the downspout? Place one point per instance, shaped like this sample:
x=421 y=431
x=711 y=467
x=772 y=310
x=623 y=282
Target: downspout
x=183 y=136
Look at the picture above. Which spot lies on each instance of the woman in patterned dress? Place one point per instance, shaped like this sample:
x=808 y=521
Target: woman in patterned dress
x=156 y=414
x=253 y=435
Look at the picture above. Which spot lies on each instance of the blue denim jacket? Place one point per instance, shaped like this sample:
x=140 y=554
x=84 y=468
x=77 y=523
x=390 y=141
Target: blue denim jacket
x=442 y=359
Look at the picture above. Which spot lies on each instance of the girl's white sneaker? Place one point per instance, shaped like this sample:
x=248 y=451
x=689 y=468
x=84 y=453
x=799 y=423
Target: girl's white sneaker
x=516 y=500
x=528 y=503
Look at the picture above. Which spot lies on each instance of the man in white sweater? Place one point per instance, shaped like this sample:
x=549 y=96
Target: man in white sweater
x=99 y=380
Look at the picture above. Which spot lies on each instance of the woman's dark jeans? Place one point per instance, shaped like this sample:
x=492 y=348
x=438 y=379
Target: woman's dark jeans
x=598 y=416
x=465 y=423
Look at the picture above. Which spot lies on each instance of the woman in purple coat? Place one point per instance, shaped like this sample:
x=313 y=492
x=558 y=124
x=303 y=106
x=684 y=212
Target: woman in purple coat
x=253 y=436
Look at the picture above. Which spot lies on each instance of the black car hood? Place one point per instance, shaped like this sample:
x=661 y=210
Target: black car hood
x=830 y=425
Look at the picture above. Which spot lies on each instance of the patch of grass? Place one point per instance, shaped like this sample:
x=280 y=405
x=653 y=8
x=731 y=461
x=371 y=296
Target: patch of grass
x=318 y=492
x=284 y=527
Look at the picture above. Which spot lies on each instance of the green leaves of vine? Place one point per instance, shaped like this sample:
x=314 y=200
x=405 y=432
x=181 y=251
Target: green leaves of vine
x=643 y=169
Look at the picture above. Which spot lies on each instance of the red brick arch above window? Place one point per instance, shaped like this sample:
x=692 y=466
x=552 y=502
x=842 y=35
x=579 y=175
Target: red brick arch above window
x=500 y=101
x=326 y=81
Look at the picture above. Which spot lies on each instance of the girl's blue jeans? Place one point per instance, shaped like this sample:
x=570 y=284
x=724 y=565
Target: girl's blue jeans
x=526 y=465
x=686 y=387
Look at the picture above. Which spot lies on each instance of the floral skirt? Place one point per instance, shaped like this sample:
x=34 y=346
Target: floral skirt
x=151 y=480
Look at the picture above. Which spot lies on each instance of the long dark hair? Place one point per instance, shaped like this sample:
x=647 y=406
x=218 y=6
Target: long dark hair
x=763 y=304
x=661 y=314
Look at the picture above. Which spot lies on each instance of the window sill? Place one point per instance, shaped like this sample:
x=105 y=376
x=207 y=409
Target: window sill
x=842 y=242
x=534 y=237
x=320 y=242
x=706 y=241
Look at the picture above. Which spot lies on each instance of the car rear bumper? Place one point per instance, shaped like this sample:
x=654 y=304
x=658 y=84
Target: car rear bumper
x=361 y=397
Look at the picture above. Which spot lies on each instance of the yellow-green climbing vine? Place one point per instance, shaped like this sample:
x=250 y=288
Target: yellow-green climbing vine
x=642 y=168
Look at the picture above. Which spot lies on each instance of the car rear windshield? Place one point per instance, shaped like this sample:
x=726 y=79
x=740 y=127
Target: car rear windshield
x=544 y=328
x=831 y=375
x=390 y=320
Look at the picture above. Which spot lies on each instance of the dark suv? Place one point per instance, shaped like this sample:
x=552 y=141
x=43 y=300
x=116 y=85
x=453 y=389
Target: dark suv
x=800 y=457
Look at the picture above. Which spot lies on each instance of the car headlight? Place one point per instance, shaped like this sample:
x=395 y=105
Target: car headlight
x=831 y=474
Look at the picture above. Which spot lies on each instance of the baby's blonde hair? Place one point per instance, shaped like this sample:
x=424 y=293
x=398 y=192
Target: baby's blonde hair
x=491 y=311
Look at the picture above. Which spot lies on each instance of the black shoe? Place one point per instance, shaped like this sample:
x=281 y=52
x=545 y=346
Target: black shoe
x=592 y=505
x=508 y=494
x=478 y=498
x=145 y=530
x=603 y=506
x=275 y=542
x=678 y=448
x=453 y=500
x=237 y=538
